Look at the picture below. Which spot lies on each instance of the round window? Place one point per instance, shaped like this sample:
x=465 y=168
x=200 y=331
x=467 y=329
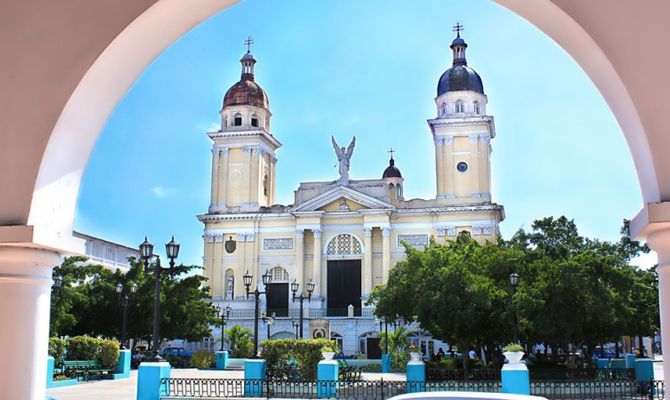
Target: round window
x=462 y=166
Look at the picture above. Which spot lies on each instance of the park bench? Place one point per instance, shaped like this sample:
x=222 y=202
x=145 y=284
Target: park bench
x=347 y=372
x=83 y=369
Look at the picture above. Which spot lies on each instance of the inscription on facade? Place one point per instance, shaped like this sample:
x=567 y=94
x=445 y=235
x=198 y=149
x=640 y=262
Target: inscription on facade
x=417 y=240
x=278 y=244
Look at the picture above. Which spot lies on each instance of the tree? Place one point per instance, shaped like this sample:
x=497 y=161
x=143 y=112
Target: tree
x=241 y=345
x=87 y=303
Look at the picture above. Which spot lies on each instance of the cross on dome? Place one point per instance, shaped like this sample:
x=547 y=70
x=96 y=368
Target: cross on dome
x=458 y=28
x=249 y=42
x=391 y=151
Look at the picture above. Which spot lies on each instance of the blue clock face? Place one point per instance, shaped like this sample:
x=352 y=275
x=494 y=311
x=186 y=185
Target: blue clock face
x=462 y=166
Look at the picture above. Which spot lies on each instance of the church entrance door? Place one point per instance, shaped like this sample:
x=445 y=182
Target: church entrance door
x=344 y=287
x=277 y=299
x=374 y=351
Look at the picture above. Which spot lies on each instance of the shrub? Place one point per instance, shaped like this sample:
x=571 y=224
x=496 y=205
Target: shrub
x=306 y=353
x=203 y=359
x=512 y=347
x=108 y=354
x=57 y=349
x=241 y=345
x=82 y=348
x=372 y=368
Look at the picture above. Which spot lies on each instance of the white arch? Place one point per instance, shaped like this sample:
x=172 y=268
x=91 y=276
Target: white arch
x=331 y=238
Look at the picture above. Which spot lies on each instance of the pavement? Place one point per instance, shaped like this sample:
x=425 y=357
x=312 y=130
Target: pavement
x=124 y=389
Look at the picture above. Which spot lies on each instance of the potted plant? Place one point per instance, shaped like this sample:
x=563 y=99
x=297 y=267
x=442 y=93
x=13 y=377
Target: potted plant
x=414 y=353
x=327 y=352
x=513 y=353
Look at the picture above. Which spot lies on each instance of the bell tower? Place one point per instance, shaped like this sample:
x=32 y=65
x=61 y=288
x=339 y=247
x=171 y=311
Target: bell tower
x=243 y=149
x=462 y=132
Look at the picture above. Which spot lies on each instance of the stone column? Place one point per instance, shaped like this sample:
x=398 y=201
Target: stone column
x=484 y=164
x=214 y=204
x=474 y=164
x=448 y=173
x=386 y=254
x=659 y=241
x=439 y=167
x=367 y=263
x=316 y=266
x=25 y=297
x=300 y=257
x=246 y=189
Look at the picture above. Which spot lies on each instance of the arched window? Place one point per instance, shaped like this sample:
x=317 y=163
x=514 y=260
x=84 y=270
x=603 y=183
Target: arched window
x=459 y=106
x=443 y=109
x=476 y=107
x=254 y=121
x=266 y=184
x=344 y=244
x=225 y=121
x=238 y=120
x=278 y=274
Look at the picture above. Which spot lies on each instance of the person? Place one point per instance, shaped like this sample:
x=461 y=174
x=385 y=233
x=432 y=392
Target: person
x=439 y=355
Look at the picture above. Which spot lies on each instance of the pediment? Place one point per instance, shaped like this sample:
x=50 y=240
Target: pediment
x=331 y=201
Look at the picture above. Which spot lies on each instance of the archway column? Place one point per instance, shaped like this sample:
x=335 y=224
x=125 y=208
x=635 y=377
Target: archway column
x=653 y=224
x=25 y=298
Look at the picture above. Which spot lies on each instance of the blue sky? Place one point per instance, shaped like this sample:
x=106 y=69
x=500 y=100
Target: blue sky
x=365 y=68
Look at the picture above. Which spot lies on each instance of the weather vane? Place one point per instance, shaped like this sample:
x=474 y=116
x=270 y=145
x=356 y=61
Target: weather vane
x=458 y=28
x=248 y=43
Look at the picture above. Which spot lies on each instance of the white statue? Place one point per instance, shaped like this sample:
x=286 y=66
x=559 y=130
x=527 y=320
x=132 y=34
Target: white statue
x=344 y=157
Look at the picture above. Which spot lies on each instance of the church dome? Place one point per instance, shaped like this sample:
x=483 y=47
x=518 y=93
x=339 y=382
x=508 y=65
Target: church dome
x=459 y=77
x=246 y=91
x=391 y=171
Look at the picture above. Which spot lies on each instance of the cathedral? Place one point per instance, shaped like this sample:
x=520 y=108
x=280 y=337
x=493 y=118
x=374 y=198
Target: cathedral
x=339 y=237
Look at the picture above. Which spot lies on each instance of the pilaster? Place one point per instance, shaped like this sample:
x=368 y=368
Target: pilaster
x=215 y=180
x=474 y=164
x=222 y=198
x=316 y=266
x=439 y=166
x=386 y=254
x=300 y=257
x=367 y=262
x=449 y=168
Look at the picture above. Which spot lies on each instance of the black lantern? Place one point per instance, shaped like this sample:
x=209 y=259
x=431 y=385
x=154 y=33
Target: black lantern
x=267 y=278
x=514 y=282
x=146 y=249
x=58 y=282
x=514 y=279
x=247 y=279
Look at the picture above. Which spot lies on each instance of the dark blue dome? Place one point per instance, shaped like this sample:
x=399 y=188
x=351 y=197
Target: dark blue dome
x=391 y=171
x=460 y=77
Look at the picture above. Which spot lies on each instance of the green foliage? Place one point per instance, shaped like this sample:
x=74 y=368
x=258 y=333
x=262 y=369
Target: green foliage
x=87 y=303
x=108 y=354
x=202 y=359
x=241 y=345
x=82 y=348
x=512 y=347
x=57 y=349
x=306 y=353
x=572 y=289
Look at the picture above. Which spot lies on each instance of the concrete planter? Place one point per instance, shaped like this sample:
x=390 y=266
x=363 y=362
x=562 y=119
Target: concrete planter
x=514 y=357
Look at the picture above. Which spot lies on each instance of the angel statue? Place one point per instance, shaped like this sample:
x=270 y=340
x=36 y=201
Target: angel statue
x=344 y=157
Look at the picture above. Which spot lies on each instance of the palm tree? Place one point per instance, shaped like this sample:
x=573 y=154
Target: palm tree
x=398 y=340
x=241 y=345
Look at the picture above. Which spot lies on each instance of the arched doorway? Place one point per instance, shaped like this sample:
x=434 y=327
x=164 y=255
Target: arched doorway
x=278 y=292
x=344 y=253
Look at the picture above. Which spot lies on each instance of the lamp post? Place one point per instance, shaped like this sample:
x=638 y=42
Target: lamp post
x=58 y=282
x=124 y=299
x=146 y=254
x=383 y=320
x=294 y=288
x=514 y=282
x=296 y=324
x=248 y=279
x=268 y=321
x=224 y=313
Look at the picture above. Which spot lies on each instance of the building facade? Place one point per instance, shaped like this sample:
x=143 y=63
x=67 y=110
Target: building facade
x=343 y=235
x=110 y=255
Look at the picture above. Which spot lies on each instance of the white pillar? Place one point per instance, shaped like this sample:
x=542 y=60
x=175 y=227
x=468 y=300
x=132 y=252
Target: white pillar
x=448 y=173
x=300 y=258
x=316 y=263
x=25 y=295
x=367 y=262
x=439 y=166
x=659 y=241
x=386 y=254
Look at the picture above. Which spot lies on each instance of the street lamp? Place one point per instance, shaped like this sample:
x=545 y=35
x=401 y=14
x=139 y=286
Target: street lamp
x=146 y=254
x=294 y=288
x=296 y=324
x=58 y=282
x=386 y=331
x=248 y=279
x=514 y=282
x=124 y=299
x=224 y=313
x=268 y=321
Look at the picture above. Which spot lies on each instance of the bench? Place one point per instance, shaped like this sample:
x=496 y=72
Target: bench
x=347 y=372
x=83 y=368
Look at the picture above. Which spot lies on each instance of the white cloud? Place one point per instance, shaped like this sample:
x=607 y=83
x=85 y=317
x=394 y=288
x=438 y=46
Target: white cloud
x=162 y=192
